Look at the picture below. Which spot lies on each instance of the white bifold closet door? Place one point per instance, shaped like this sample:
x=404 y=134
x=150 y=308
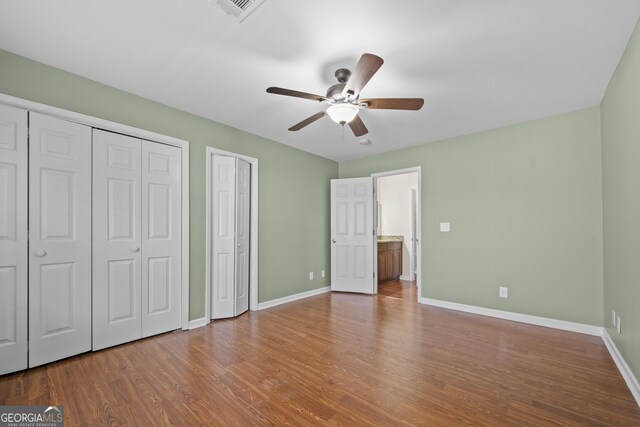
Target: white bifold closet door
x=60 y=239
x=230 y=229
x=117 y=241
x=161 y=238
x=136 y=238
x=243 y=185
x=13 y=239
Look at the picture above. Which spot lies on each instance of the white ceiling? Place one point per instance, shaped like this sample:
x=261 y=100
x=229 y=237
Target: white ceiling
x=479 y=64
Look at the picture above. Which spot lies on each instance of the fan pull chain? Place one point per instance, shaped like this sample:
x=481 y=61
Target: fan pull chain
x=342 y=134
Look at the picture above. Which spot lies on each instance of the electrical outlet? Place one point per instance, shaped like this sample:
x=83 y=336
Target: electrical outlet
x=311 y=275
x=613 y=317
x=322 y=273
x=618 y=327
x=504 y=292
x=445 y=227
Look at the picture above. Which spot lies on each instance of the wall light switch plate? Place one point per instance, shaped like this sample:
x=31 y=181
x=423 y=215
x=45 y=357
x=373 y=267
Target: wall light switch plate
x=618 y=327
x=445 y=227
x=322 y=274
x=311 y=275
x=613 y=317
x=504 y=292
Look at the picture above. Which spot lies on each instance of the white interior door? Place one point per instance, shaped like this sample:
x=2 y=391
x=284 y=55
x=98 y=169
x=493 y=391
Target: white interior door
x=352 y=235
x=243 y=186
x=116 y=239
x=60 y=239
x=223 y=236
x=13 y=239
x=161 y=238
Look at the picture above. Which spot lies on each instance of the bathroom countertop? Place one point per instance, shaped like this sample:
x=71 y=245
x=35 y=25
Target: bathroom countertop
x=387 y=239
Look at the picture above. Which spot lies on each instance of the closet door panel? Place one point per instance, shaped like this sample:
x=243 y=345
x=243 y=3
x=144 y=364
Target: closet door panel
x=117 y=269
x=13 y=239
x=161 y=238
x=243 y=185
x=60 y=246
x=223 y=201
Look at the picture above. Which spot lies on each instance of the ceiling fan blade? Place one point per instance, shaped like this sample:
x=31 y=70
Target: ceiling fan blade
x=358 y=127
x=297 y=94
x=308 y=120
x=366 y=68
x=394 y=103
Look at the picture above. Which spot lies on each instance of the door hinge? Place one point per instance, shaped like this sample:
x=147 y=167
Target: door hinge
x=374 y=274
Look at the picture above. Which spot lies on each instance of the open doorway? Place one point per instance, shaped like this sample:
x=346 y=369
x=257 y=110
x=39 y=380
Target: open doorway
x=398 y=231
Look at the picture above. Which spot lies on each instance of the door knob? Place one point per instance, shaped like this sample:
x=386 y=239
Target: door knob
x=135 y=249
x=333 y=240
x=40 y=253
x=238 y=244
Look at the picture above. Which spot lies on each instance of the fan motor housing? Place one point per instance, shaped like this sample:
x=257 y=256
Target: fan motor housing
x=335 y=92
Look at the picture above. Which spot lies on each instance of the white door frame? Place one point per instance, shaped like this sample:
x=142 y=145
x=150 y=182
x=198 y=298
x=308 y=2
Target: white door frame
x=253 y=237
x=413 y=221
x=108 y=125
x=417 y=169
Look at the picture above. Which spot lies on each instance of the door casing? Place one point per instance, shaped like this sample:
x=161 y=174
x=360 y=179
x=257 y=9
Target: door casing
x=418 y=231
x=413 y=221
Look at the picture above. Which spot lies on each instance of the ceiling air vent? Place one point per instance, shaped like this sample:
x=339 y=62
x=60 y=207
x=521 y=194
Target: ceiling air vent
x=239 y=9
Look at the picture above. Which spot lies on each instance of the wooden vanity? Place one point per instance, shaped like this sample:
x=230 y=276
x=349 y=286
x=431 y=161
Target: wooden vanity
x=389 y=259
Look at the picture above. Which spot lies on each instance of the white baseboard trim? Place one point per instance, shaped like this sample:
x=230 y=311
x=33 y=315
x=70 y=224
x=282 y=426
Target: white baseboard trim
x=627 y=374
x=198 y=323
x=407 y=278
x=517 y=317
x=295 y=297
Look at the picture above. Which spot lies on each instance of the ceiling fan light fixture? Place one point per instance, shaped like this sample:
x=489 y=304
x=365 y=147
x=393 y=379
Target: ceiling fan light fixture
x=342 y=113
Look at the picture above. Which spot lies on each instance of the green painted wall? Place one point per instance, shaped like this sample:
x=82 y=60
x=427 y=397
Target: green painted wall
x=525 y=206
x=293 y=191
x=621 y=184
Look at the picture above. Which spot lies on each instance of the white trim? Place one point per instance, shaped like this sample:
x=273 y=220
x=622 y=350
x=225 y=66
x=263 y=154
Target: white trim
x=405 y=278
x=418 y=231
x=291 y=298
x=397 y=172
x=625 y=370
x=253 y=255
x=185 y=235
x=84 y=119
x=207 y=233
x=110 y=126
x=517 y=317
x=198 y=323
x=413 y=222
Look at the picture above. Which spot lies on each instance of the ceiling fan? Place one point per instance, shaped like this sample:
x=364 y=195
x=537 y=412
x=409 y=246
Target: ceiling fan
x=344 y=97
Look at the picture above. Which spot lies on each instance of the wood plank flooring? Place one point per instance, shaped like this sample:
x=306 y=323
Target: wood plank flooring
x=399 y=289
x=340 y=359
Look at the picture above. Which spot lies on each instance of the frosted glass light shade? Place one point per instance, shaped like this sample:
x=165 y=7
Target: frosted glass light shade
x=342 y=113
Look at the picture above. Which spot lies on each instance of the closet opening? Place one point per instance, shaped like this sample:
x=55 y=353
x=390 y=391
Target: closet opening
x=231 y=234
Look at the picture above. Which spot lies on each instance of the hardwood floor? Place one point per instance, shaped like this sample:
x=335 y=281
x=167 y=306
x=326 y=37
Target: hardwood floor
x=340 y=359
x=402 y=289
